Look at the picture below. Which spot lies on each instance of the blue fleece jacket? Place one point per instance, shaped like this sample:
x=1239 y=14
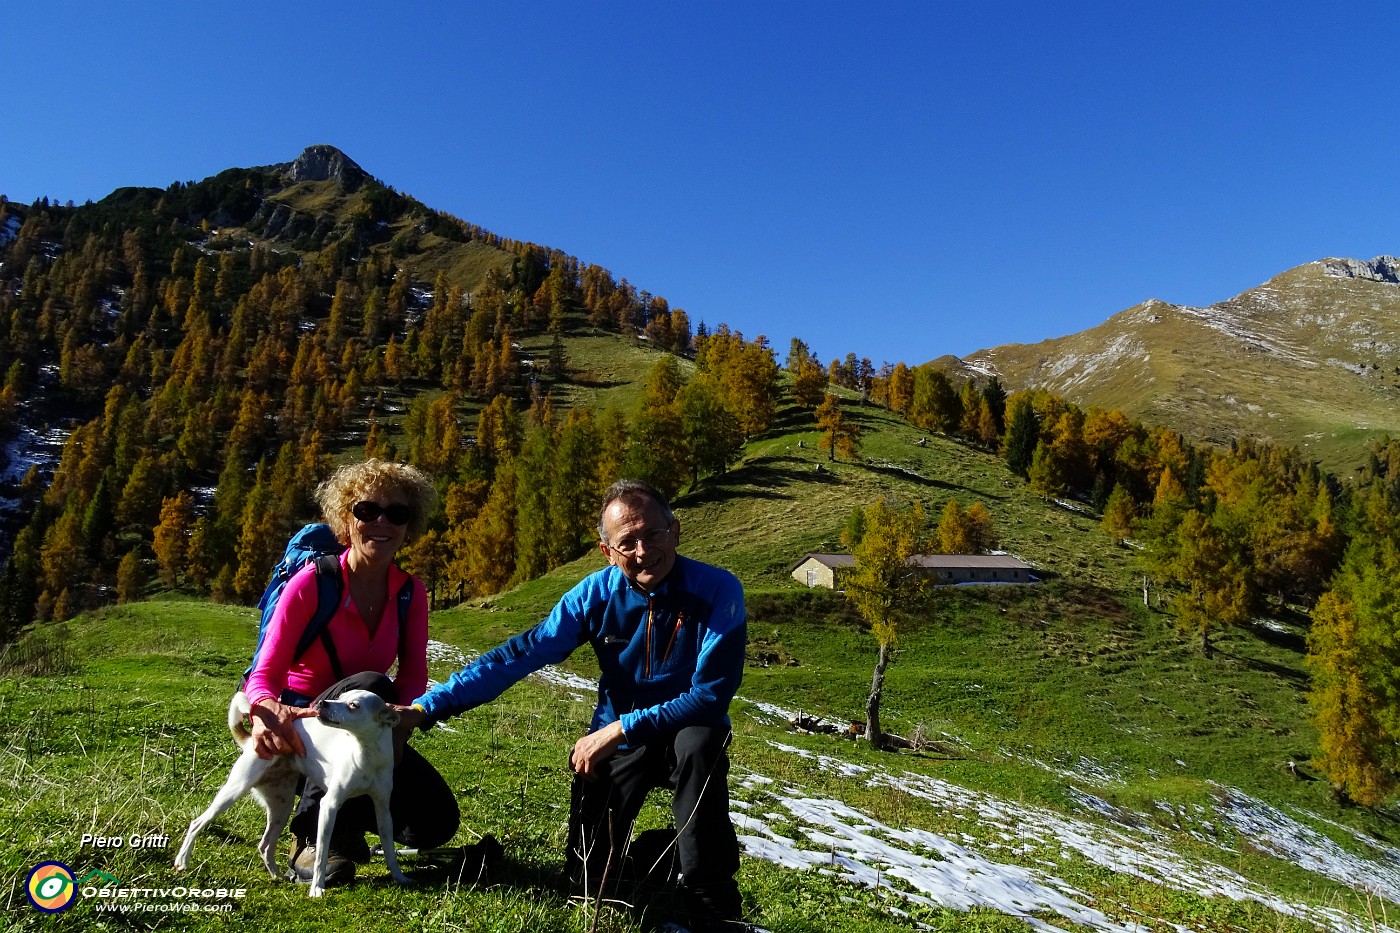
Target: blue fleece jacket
x=669 y=659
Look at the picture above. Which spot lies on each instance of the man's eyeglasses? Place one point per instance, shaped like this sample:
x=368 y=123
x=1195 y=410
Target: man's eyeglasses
x=651 y=539
x=395 y=512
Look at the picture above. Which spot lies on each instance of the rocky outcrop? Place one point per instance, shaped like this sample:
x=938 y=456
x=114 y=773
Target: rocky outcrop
x=325 y=163
x=1380 y=269
x=277 y=221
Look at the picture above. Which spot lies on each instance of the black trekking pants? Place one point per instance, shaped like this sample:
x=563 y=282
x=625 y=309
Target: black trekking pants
x=423 y=807
x=692 y=763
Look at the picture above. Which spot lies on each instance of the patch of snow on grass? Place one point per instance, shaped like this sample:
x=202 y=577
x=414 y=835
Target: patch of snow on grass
x=1083 y=769
x=26 y=451
x=1072 y=370
x=1070 y=505
x=785 y=716
x=1357 y=369
x=1274 y=625
x=925 y=867
x=921 y=867
x=1272 y=830
x=459 y=658
x=981 y=366
x=1226 y=323
x=772 y=712
x=571 y=682
x=441 y=651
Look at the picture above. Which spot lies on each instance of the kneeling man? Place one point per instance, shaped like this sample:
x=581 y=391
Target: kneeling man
x=670 y=634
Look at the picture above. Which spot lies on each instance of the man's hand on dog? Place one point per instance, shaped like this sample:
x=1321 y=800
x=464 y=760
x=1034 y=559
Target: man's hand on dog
x=595 y=748
x=272 y=729
x=410 y=718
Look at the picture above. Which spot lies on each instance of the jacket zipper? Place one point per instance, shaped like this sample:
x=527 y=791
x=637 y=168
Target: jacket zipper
x=680 y=620
x=647 y=673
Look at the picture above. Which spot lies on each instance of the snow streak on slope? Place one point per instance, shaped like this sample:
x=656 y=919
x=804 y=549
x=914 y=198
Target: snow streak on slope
x=928 y=868
x=785 y=824
x=1227 y=321
x=438 y=651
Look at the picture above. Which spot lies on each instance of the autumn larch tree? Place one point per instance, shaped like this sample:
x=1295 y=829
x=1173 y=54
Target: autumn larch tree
x=982 y=532
x=969 y=531
x=575 y=486
x=490 y=542
x=953 y=535
x=839 y=433
x=658 y=452
x=1355 y=665
x=534 y=466
x=1215 y=577
x=936 y=405
x=1046 y=477
x=171 y=538
x=901 y=388
x=809 y=383
x=884 y=587
x=131 y=577
x=1119 y=514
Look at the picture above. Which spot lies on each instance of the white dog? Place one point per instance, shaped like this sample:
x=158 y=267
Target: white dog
x=349 y=751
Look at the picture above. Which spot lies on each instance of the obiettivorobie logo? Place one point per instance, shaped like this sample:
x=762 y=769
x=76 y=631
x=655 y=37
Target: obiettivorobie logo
x=52 y=888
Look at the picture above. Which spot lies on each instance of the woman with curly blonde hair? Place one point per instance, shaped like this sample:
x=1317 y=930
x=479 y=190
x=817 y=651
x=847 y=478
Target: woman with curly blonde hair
x=382 y=620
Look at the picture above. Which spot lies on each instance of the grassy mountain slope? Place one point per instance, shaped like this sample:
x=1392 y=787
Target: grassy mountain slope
x=1068 y=698
x=1069 y=701
x=1308 y=359
x=423 y=251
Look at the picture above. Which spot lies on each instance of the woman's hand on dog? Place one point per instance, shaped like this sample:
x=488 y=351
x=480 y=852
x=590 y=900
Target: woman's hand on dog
x=273 y=733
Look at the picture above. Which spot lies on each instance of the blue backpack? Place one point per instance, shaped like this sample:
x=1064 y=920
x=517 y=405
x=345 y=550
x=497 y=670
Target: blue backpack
x=315 y=542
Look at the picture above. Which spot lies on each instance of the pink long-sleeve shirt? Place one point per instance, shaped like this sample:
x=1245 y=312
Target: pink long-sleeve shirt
x=356 y=649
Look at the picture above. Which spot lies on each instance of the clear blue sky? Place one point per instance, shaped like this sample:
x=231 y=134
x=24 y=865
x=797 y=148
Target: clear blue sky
x=898 y=180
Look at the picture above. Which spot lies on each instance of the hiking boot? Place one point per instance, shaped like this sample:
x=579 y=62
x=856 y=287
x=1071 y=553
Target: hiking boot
x=351 y=846
x=340 y=870
x=473 y=862
x=716 y=909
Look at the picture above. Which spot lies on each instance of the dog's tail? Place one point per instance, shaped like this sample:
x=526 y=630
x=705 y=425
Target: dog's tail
x=238 y=709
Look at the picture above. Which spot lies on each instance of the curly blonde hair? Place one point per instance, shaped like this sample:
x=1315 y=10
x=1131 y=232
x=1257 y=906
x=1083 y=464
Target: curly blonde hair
x=354 y=482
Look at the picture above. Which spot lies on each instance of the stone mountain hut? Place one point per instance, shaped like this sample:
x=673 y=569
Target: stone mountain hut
x=826 y=569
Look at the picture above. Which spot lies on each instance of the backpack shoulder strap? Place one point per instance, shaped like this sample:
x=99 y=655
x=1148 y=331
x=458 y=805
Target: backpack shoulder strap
x=404 y=601
x=328 y=593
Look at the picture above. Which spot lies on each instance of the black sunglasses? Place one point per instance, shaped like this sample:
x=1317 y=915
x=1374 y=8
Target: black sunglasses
x=396 y=512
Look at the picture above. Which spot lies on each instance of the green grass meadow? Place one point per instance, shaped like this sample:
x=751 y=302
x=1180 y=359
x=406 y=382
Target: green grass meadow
x=113 y=726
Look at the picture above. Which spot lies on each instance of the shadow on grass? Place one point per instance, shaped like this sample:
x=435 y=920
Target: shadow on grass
x=646 y=886
x=586 y=381
x=1294 y=675
x=788 y=419
x=755 y=481
x=485 y=863
x=1289 y=641
x=909 y=476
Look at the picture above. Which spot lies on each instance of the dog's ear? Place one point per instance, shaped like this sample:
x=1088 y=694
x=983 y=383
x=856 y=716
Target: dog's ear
x=387 y=718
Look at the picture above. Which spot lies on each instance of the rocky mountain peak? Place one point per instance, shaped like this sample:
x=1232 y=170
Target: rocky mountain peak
x=325 y=163
x=1380 y=269
x=1306 y=359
